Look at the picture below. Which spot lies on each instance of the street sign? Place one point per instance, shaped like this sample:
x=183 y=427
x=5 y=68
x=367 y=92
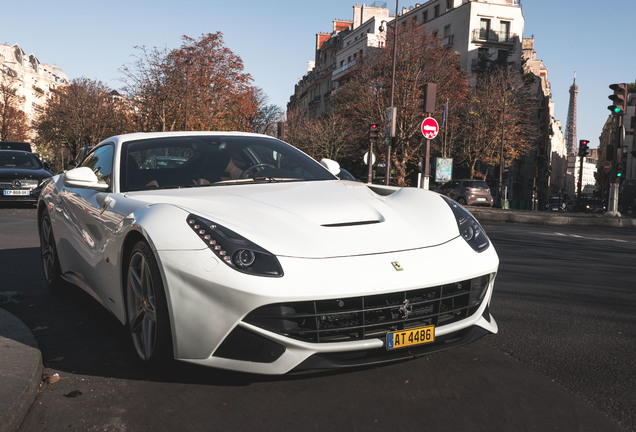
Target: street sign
x=366 y=158
x=430 y=128
x=607 y=167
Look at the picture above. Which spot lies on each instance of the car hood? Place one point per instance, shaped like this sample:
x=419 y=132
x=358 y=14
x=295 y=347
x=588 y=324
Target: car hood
x=320 y=219
x=21 y=173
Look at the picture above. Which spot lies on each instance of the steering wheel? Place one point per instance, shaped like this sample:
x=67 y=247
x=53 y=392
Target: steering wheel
x=259 y=167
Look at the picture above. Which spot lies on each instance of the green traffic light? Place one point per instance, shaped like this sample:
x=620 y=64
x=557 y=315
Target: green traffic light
x=617 y=110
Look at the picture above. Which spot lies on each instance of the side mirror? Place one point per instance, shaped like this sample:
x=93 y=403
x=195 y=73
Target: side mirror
x=83 y=177
x=332 y=166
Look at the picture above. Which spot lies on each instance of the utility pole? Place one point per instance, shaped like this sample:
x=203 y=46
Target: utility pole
x=393 y=112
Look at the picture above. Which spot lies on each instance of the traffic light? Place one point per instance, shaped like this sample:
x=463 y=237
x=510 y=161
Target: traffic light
x=583 y=148
x=619 y=172
x=373 y=131
x=619 y=98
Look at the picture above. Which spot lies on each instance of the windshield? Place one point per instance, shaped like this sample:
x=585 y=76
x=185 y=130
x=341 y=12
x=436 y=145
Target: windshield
x=15 y=159
x=191 y=161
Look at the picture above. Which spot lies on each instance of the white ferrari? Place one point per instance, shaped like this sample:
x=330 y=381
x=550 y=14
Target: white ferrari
x=238 y=251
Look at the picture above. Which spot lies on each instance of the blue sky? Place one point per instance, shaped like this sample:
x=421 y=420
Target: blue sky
x=276 y=38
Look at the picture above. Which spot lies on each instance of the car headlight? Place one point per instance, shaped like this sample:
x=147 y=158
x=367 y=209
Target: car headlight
x=235 y=250
x=468 y=226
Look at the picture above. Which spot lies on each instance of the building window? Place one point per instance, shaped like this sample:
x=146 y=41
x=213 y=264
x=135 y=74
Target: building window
x=504 y=31
x=448 y=37
x=502 y=57
x=436 y=11
x=449 y=4
x=484 y=29
x=425 y=16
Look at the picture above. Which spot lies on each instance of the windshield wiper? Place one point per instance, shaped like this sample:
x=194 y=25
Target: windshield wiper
x=256 y=180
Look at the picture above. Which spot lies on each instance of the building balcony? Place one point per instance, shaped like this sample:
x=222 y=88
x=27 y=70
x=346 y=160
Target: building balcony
x=341 y=71
x=491 y=36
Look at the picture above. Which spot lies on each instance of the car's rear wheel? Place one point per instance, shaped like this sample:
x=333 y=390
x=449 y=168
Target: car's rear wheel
x=48 y=253
x=461 y=200
x=146 y=307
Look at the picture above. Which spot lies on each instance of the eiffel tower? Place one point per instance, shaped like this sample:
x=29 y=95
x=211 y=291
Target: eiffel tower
x=570 y=128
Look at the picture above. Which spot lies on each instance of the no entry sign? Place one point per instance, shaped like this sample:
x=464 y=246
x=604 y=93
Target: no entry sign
x=430 y=128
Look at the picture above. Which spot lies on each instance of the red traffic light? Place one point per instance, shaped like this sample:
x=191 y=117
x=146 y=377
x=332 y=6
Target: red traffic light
x=373 y=130
x=583 y=147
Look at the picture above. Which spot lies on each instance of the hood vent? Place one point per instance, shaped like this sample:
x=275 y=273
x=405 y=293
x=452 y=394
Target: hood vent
x=348 y=224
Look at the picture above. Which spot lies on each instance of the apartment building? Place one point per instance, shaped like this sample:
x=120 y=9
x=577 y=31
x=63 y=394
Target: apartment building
x=482 y=32
x=335 y=53
x=32 y=80
x=588 y=177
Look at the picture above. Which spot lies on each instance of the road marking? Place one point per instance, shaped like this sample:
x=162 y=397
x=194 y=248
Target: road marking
x=577 y=236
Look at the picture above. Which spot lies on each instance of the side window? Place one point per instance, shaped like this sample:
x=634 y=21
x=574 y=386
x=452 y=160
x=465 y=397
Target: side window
x=101 y=162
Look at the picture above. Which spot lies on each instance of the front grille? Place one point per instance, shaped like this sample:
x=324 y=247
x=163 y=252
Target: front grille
x=368 y=317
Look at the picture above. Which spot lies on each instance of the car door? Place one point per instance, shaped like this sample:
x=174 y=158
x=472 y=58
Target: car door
x=91 y=221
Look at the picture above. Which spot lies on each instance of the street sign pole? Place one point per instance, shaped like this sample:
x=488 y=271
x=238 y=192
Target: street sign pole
x=430 y=128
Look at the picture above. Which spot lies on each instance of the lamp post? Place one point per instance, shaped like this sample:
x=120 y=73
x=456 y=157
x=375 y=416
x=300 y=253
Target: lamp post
x=388 y=148
x=501 y=159
x=187 y=70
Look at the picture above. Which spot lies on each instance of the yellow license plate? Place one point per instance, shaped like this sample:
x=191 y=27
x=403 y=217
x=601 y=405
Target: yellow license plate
x=410 y=337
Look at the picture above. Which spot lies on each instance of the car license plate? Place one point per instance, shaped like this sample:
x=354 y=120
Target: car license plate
x=410 y=337
x=20 y=192
x=481 y=199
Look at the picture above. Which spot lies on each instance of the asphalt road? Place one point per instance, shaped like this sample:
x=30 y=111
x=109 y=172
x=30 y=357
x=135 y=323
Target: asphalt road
x=564 y=301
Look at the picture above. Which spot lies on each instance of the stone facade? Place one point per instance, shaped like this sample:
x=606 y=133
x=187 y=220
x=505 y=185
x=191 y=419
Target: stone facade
x=32 y=80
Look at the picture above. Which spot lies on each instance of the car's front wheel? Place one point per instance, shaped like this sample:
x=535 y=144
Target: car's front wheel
x=48 y=253
x=146 y=307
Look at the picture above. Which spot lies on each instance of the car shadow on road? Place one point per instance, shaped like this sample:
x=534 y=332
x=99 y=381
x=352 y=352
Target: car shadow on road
x=76 y=335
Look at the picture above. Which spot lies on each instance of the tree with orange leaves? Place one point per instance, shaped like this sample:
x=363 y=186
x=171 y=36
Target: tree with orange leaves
x=198 y=86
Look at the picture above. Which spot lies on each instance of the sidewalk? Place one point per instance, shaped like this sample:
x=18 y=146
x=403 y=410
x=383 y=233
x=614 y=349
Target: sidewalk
x=21 y=361
x=550 y=218
x=20 y=370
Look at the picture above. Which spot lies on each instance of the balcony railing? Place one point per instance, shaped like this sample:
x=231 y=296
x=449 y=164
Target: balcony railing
x=480 y=35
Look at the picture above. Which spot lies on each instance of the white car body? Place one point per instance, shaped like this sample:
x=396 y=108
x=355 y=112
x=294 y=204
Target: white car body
x=337 y=242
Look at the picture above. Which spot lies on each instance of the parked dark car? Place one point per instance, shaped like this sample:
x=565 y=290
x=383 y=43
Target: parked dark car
x=467 y=192
x=21 y=176
x=556 y=203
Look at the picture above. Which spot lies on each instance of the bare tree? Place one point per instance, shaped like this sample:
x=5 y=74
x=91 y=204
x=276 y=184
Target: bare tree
x=80 y=114
x=267 y=115
x=421 y=59
x=499 y=113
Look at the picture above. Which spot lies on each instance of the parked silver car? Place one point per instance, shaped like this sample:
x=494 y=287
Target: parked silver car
x=467 y=192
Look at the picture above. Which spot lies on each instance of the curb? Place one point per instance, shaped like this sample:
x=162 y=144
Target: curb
x=553 y=219
x=20 y=371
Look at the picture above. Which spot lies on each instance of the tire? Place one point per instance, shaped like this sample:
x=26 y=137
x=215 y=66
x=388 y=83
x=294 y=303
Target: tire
x=48 y=253
x=146 y=307
x=461 y=200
